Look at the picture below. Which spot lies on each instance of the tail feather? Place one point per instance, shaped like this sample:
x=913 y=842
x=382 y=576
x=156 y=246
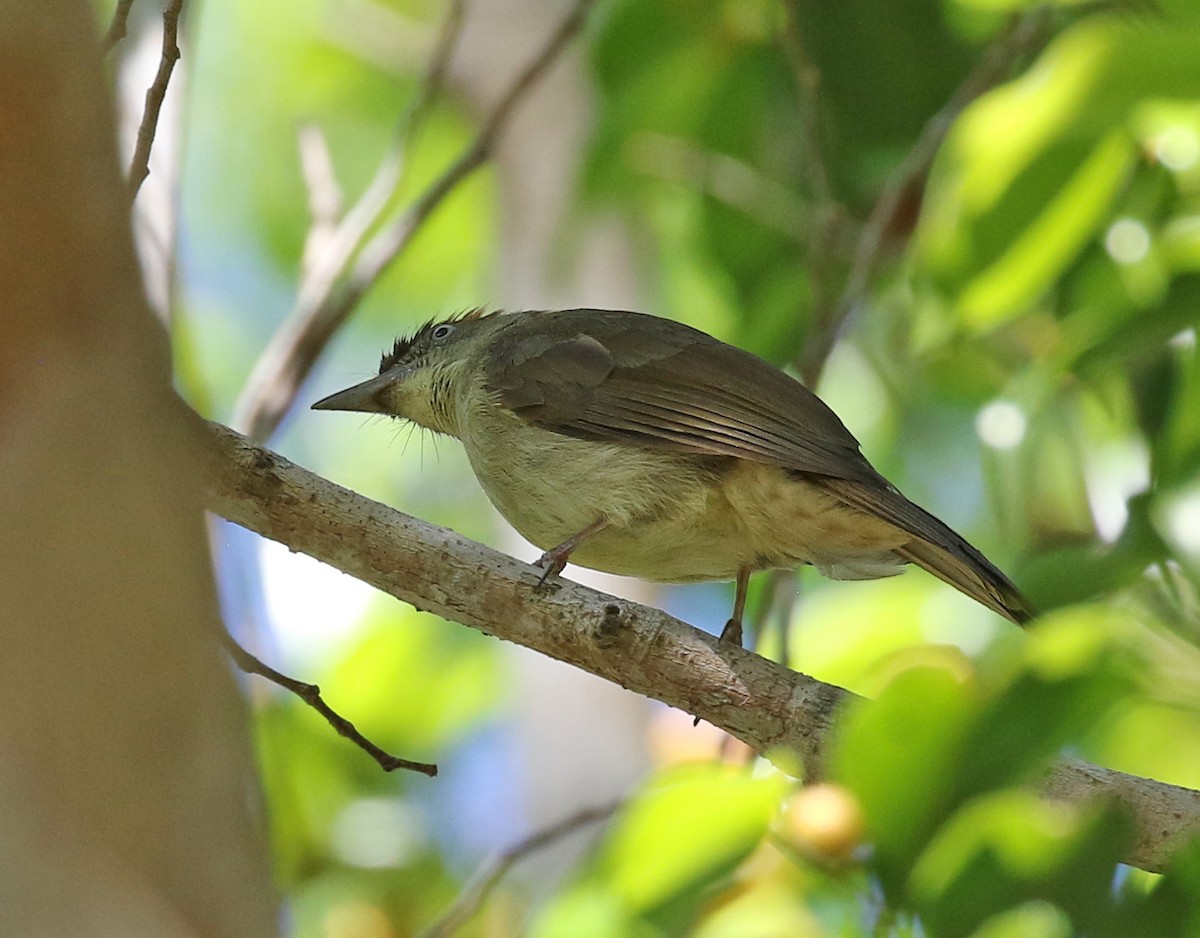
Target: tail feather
x=938 y=548
x=979 y=579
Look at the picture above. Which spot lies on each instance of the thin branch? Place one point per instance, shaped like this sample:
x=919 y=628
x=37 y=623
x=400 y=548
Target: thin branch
x=139 y=166
x=725 y=178
x=778 y=602
x=1023 y=35
x=323 y=192
x=808 y=83
x=760 y=702
x=324 y=305
x=484 y=879
x=318 y=278
x=311 y=695
x=831 y=224
x=435 y=72
x=118 y=27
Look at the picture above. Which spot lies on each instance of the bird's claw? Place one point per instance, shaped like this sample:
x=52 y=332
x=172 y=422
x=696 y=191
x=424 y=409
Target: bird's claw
x=552 y=563
x=732 y=632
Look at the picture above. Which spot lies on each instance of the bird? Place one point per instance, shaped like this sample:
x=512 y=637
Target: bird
x=637 y=445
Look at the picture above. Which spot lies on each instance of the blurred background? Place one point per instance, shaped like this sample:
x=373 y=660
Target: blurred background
x=972 y=225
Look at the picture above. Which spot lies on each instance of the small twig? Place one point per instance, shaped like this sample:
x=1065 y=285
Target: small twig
x=139 y=166
x=324 y=193
x=385 y=247
x=311 y=695
x=319 y=277
x=829 y=218
x=777 y=602
x=808 y=83
x=484 y=879
x=324 y=304
x=727 y=179
x=1021 y=36
x=118 y=28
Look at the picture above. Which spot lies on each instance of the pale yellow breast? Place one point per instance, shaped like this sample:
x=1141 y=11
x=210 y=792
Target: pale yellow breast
x=671 y=517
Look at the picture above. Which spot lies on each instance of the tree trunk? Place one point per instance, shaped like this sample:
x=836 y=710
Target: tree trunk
x=127 y=795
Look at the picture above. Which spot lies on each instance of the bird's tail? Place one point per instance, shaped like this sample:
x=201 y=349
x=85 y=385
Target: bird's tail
x=938 y=548
x=971 y=573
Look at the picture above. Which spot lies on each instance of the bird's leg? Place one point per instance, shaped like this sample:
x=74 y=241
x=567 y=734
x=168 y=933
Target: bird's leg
x=733 y=628
x=553 y=560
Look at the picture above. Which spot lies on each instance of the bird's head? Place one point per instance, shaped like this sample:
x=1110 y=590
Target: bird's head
x=424 y=376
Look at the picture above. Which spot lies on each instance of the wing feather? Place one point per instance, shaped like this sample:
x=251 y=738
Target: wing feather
x=620 y=375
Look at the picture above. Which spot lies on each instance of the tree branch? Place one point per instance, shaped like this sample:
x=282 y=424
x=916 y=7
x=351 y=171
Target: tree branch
x=325 y=301
x=321 y=269
x=324 y=195
x=118 y=27
x=311 y=695
x=644 y=650
x=808 y=82
x=139 y=166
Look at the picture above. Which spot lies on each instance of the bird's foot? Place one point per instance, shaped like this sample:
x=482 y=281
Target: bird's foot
x=552 y=563
x=732 y=632
x=553 y=560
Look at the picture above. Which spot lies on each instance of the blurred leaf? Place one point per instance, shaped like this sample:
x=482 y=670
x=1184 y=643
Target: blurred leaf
x=1073 y=573
x=1031 y=169
x=1074 y=668
x=762 y=912
x=1046 y=242
x=1177 y=448
x=1037 y=919
x=589 y=910
x=1172 y=910
x=1012 y=847
x=886 y=66
x=413 y=682
x=898 y=755
x=933 y=740
x=687 y=829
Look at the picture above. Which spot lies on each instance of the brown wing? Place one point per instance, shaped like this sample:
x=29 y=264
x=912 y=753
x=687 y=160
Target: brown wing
x=628 y=376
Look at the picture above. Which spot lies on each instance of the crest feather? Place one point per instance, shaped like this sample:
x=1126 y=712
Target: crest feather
x=404 y=344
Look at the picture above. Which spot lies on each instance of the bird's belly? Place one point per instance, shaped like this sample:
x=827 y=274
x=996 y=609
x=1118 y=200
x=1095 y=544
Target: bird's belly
x=679 y=518
x=663 y=510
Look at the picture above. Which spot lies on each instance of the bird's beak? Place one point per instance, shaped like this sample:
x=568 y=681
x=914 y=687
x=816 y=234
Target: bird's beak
x=363 y=397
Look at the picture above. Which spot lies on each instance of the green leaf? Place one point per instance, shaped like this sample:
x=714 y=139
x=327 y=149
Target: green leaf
x=589 y=910
x=1050 y=239
x=1172 y=910
x=899 y=756
x=687 y=829
x=1177 y=448
x=412 y=682
x=1071 y=673
x=1030 y=171
x=1011 y=847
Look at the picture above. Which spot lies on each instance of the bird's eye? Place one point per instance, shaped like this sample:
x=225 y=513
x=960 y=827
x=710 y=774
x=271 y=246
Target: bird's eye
x=442 y=331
